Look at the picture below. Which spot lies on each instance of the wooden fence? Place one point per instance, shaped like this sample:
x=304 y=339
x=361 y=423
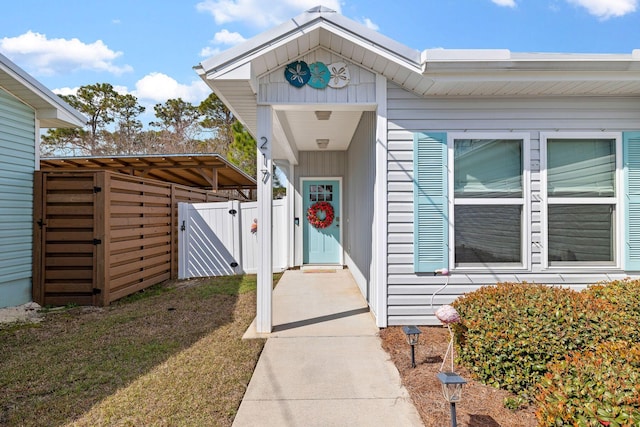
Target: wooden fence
x=102 y=235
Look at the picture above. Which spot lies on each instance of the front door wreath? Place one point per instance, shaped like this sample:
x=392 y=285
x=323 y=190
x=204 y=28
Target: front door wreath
x=312 y=214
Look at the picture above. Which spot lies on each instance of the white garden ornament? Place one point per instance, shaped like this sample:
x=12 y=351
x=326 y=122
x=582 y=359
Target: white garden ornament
x=447 y=314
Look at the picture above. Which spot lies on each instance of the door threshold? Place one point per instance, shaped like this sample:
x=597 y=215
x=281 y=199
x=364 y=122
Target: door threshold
x=321 y=267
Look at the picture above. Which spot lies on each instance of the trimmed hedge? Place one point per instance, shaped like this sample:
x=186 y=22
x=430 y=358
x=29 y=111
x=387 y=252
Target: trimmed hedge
x=624 y=294
x=511 y=331
x=593 y=388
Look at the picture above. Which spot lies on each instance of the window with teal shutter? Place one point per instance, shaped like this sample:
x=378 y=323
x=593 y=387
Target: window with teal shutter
x=431 y=225
x=631 y=143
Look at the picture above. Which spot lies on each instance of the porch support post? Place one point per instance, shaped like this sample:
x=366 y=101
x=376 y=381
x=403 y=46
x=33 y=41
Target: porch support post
x=264 y=177
x=291 y=210
x=288 y=169
x=380 y=205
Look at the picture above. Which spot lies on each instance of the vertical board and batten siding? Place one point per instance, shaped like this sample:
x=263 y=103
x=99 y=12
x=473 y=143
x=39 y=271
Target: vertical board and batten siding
x=274 y=88
x=358 y=245
x=314 y=164
x=100 y=236
x=17 y=164
x=410 y=293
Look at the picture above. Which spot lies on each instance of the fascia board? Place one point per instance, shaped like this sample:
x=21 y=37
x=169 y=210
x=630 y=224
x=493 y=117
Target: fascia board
x=242 y=72
x=530 y=76
x=445 y=60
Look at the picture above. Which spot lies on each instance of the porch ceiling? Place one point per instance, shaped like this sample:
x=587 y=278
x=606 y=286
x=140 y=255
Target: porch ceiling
x=303 y=128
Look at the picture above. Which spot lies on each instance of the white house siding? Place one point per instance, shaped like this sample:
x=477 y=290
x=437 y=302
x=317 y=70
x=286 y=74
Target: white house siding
x=274 y=88
x=409 y=294
x=17 y=164
x=316 y=164
x=359 y=205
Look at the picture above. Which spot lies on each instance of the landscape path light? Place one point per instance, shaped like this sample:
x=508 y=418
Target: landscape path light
x=413 y=334
x=452 y=390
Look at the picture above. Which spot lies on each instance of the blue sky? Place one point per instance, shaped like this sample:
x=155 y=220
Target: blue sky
x=148 y=48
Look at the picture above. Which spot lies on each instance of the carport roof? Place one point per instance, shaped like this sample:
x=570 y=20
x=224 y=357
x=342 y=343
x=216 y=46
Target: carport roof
x=207 y=171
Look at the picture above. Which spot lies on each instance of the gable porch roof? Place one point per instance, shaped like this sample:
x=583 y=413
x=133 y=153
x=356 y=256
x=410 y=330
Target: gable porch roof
x=233 y=74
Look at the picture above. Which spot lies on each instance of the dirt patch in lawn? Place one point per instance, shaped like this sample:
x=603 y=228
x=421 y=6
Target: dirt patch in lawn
x=481 y=406
x=29 y=312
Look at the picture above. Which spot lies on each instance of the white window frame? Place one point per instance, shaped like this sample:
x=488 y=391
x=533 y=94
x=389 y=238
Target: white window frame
x=525 y=201
x=617 y=201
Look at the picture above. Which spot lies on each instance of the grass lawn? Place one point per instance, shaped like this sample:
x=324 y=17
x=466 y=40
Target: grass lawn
x=170 y=355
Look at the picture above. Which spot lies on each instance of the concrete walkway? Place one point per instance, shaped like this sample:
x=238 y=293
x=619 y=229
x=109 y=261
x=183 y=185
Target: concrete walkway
x=323 y=364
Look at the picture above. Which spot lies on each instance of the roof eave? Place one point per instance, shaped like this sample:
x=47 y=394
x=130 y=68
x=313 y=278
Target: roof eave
x=500 y=60
x=52 y=105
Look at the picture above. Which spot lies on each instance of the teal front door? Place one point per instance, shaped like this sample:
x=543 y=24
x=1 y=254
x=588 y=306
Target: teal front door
x=321 y=241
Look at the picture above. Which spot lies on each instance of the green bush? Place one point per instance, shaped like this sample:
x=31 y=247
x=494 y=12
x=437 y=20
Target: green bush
x=510 y=332
x=593 y=388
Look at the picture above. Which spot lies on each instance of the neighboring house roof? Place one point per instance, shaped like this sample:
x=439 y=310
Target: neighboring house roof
x=51 y=110
x=233 y=74
x=207 y=171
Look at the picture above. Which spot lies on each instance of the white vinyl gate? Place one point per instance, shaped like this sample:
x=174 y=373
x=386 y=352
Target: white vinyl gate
x=216 y=239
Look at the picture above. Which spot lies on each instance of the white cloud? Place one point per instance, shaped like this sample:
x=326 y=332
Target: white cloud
x=158 y=87
x=370 y=24
x=66 y=90
x=227 y=37
x=222 y=37
x=605 y=9
x=43 y=56
x=209 y=51
x=259 y=12
x=507 y=3
x=155 y=88
x=122 y=90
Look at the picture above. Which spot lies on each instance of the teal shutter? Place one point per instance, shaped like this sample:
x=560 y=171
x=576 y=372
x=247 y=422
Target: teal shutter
x=631 y=143
x=431 y=225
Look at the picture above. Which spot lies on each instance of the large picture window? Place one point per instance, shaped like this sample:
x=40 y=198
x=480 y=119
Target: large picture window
x=489 y=188
x=581 y=176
